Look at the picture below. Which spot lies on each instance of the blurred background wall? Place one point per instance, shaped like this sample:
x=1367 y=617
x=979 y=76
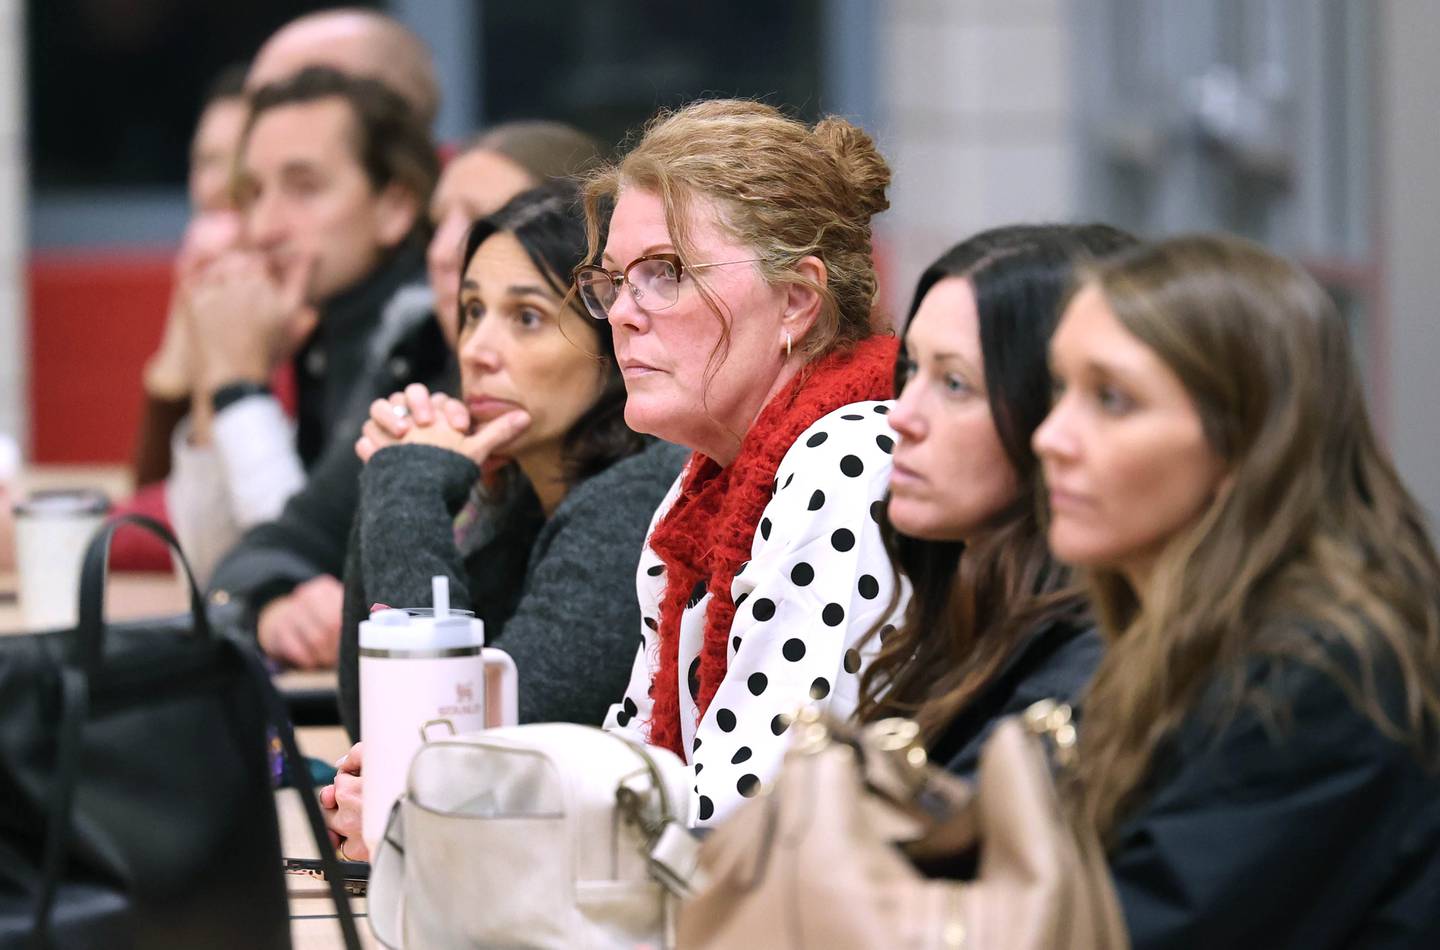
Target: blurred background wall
x=1306 y=124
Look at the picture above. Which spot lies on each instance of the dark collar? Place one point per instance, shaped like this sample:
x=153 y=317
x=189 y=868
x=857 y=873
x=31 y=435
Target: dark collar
x=357 y=310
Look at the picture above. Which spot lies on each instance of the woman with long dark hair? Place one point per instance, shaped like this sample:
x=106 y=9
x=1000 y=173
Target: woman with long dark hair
x=1261 y=741
x=993 y=623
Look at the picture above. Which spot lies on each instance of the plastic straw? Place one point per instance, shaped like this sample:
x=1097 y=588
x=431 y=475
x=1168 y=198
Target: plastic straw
x=440 y=585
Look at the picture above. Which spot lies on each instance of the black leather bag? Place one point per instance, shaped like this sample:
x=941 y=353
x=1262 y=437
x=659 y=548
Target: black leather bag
x=136 y=803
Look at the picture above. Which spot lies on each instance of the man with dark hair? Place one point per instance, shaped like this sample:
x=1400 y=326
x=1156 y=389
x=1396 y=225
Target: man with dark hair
x=334 y=176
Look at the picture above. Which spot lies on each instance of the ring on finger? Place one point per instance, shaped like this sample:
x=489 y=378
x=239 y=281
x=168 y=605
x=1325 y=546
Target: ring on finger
x=340 y=850
x=401 y=411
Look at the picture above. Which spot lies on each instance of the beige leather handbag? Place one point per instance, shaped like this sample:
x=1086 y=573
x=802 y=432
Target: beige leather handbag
x=824 y=860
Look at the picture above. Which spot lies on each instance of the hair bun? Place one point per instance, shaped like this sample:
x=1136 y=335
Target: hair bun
x=854 y=153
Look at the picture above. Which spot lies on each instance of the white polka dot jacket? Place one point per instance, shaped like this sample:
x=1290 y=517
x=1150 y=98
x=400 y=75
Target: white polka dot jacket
x=816 y=582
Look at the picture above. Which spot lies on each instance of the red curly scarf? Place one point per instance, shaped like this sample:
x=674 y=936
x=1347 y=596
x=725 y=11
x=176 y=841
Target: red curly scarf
x=707 y=533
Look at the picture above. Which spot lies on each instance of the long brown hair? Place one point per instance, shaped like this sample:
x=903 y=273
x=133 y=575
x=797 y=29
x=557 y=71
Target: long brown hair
x=1310 y=543
x=971 y=607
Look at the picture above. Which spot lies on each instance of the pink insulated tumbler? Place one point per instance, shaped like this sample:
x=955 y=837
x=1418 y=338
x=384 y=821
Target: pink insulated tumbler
x=422 y=675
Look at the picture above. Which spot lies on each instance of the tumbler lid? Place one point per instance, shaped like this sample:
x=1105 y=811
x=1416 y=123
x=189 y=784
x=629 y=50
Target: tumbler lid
x=63 y=503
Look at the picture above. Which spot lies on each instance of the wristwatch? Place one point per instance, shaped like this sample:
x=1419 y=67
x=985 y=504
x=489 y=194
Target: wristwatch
x=231 y=393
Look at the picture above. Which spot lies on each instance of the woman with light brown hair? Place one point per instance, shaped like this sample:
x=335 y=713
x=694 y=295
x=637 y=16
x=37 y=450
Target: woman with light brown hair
x=738 y=283
x=1260 y=743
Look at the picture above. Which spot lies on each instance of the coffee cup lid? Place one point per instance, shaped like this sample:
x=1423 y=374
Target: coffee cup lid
x=63 y=503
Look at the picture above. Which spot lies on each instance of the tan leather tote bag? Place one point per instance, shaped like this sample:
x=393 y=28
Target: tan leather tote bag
x=824 y=859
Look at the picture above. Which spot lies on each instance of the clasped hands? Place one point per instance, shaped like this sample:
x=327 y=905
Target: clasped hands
x=419 y=417
x=244 y=320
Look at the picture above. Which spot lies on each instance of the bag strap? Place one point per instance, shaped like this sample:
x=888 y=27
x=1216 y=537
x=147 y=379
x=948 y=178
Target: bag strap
x=87 y=643
x=84 y=650
x=75 y=701
x=300 y=775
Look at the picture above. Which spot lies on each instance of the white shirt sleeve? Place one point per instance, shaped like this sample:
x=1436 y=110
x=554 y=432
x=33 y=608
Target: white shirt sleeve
x=255 y=443
x=199 y=503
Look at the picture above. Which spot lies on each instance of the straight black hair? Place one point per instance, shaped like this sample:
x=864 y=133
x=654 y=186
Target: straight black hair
x=969 y=611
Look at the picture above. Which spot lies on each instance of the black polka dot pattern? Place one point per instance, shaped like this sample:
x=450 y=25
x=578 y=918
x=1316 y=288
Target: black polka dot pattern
x=817 y=581
x=627 y=712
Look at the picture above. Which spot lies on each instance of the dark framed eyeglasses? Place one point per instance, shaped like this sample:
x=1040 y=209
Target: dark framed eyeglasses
x=653 y=282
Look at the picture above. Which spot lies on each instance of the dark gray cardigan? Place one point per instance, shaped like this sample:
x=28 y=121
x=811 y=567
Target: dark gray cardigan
x=558 y=595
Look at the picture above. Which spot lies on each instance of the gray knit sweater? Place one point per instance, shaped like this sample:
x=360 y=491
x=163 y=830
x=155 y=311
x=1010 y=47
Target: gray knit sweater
x=558 y=595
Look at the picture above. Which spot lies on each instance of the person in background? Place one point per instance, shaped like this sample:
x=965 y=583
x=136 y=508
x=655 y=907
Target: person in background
x=738 y=283
x=280 y=581
x=994 y=624
x=358 y=42
x=333 y=180
x=354 y=41
x=1260 y=748
x=530 y=493
x=167 y=381
x=214 y=228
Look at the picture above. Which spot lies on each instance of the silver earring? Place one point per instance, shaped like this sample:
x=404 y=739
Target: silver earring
x=787 y=345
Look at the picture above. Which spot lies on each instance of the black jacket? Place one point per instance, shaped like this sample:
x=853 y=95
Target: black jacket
x=371 y=341
x=1292 y=823
x=1055 y=662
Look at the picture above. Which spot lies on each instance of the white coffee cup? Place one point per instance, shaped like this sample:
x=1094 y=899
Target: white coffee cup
x=52 y=530
x=424 y=674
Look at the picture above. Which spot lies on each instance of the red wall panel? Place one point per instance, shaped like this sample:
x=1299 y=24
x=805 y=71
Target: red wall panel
x=95 y=317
